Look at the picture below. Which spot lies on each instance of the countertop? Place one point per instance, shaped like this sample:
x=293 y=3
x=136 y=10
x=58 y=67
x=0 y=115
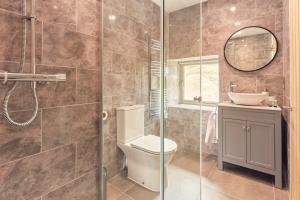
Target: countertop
x=262 y=107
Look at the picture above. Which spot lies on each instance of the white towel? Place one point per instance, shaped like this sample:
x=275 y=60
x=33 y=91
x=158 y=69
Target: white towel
x=211 y=129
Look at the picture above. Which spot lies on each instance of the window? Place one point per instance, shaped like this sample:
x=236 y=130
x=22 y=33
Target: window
x=193 y=76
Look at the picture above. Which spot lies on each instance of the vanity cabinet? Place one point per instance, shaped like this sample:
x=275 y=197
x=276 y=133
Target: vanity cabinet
x=251 y=137
x=234 y=140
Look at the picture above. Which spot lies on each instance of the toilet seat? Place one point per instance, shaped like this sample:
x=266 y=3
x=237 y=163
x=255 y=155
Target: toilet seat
x=151 y=144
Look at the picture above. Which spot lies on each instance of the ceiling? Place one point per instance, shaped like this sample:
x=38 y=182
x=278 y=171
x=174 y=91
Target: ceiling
x=173 y=5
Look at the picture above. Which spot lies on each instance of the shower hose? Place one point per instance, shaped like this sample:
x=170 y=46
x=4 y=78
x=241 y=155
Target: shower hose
x=33 y=83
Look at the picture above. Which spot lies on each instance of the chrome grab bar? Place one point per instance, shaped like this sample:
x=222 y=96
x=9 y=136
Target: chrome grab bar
x=7 y=76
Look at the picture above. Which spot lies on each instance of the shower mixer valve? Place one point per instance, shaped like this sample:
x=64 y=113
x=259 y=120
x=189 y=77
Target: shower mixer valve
x=20 y=76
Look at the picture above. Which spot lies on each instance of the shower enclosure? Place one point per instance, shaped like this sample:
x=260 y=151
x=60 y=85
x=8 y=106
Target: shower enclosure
x=117 y=99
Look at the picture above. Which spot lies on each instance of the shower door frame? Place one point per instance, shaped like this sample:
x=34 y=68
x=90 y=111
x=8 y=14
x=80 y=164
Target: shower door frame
x=162 y=97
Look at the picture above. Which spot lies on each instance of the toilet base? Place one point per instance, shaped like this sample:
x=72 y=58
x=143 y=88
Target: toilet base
x=152 y=184
x=144 y=167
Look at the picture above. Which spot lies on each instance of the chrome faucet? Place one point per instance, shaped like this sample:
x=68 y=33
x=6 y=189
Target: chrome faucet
x=231 y=86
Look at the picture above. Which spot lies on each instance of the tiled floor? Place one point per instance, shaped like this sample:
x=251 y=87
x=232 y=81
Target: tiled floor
x=233 y=183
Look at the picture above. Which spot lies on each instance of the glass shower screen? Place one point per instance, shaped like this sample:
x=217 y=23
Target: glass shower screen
x=182 y=100
x=151 y=96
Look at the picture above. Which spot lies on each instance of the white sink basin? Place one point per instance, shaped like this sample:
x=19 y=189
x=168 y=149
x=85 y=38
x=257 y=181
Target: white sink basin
x=249 y=99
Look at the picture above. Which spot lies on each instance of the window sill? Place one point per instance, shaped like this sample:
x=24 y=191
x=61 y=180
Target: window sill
x=193 y=107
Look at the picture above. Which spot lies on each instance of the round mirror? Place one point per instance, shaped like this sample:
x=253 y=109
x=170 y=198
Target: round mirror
x=251 y=49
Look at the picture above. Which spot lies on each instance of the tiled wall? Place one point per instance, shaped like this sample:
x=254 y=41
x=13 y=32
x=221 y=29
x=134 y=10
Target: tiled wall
x=54 y=158
x=184 y=32
x=183 y=121
x=184 y=127
x=125 y=66
x=218 y=24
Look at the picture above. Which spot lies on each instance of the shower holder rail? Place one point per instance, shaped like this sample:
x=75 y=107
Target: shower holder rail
x=7 y=76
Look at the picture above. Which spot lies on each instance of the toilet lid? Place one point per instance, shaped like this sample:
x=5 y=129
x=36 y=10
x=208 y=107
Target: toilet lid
x=151 y=144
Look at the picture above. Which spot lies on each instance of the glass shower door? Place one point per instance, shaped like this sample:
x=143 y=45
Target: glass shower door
x=182 y=104
x=151 y=57
x=131 y=49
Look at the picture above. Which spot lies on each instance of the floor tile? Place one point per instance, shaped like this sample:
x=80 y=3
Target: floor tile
x=113 y=193
x=281 y=194
x=125 y=197
x=232 y=183
x=210 y=194
x=184 y=178
x=122 y=183
x=140 y=193
x=238 y=186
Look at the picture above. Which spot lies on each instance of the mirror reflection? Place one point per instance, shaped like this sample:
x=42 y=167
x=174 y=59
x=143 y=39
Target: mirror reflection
x=251 y=49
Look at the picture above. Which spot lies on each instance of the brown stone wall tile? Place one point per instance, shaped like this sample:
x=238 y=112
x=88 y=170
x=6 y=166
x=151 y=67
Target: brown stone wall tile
x=84 y=187
x=14 y=6
x=115 y=85
x=87 y=155
x=87 y=90
x=118 y=5
x=57 y=11
x=183 y=127
x=106 y=61
x=17 y=143
x=123 y=64
x=34 y=176
x=268 y=7
x=88 y=18
x=10 y=36
x=110 y=151
x=70 y=124
x=65 y=47
x=273 y=84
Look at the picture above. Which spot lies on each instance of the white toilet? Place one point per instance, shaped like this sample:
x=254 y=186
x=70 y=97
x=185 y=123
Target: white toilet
x=142 y=152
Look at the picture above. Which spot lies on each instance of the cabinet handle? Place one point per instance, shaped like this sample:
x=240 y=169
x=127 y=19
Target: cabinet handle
x=244 y=128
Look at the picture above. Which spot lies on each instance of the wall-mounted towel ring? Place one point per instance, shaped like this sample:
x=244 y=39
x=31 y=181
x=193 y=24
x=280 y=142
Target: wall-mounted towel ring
x=104 y=115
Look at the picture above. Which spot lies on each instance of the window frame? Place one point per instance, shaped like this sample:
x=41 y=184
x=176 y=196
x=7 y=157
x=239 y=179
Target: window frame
x=181 y=65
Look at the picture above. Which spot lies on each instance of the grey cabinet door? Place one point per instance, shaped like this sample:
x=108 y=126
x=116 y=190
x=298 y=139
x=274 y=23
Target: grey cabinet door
x=261 y=144
x=234 y=140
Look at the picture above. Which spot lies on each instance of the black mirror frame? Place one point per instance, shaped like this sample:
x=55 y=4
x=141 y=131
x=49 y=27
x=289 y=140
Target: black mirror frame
x=277 y=44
